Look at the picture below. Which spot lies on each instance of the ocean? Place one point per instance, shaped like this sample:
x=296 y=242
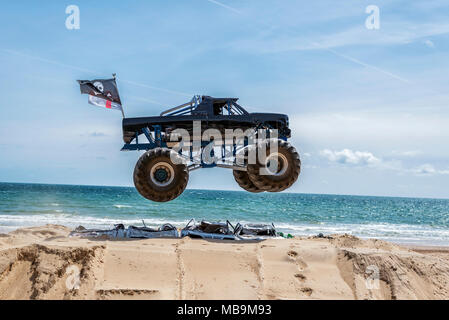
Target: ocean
x=401 y=220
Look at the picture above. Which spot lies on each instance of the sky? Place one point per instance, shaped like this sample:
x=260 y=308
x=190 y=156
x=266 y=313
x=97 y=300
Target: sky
x=368 y=107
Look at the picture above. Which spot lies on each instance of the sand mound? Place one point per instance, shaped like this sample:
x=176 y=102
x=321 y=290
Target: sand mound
x=400 y=274
x=350 y=241
x=47 y=231
x=41 y=272
x=44 y=263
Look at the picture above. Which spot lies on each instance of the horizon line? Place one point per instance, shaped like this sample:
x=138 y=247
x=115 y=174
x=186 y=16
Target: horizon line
x=195 y=189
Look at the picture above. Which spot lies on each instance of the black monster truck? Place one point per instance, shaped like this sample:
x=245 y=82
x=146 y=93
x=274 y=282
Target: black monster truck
x=162 y=173
x=256 y=150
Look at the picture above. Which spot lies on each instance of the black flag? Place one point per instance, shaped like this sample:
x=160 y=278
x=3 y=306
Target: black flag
x=102 y=93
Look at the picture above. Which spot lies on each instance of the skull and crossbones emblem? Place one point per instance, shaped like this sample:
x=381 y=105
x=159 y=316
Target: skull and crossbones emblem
x=99 y=86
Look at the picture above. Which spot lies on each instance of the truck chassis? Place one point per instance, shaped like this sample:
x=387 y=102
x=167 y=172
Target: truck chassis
x=162 y=173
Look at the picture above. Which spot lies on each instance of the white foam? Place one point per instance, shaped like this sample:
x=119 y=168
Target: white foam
x=120 y=206
x=13 y=222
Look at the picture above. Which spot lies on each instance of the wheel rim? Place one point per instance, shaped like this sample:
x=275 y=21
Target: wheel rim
x=162 y=174
x=280 y=160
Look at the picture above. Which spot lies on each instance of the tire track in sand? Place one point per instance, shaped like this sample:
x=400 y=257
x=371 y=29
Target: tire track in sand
x=260 y=272
x=180 y=271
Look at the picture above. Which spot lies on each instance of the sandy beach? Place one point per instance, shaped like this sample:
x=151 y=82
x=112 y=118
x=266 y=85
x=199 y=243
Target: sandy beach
x=42 y=263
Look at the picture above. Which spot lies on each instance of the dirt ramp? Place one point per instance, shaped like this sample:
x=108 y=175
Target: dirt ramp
x=376 y=274
x=43 y=263
x=45 y=232
x=41 y=272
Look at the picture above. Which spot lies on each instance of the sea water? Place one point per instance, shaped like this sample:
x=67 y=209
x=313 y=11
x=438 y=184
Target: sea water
x=402 y=220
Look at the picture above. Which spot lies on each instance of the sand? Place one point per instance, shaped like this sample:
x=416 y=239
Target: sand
x=44 y=263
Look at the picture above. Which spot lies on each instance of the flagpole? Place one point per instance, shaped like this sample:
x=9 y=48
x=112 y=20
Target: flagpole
x=114 y=75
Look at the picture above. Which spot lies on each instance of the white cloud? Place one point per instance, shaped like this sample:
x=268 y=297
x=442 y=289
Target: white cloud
x=425 y=169
x=97 y=134
x=347 y=156
x=424 y=134
x=429 y=43
x=368 y=159
x=307 y=154
x=408 y=153
x=428 y=170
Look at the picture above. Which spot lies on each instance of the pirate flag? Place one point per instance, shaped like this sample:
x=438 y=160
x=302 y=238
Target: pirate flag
x=102 y=93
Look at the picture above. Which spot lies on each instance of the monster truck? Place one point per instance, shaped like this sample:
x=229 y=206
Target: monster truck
x=162 y=173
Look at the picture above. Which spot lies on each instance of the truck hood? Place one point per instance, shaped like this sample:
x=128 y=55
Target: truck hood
x=270 y=117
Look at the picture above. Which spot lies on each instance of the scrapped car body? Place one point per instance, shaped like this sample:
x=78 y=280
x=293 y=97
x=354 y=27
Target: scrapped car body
x=226 y=231
x=196 y=230
x=132 y=232
x=166 y=231
x=209 y=230
x=255 y=230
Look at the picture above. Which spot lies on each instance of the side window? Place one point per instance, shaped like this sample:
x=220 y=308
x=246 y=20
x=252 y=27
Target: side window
x=217 y=109
x=220 y=108
x=226 y=109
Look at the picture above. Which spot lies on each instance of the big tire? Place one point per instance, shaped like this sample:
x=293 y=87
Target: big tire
x=288 y=169
x=245 y=182
x=157 y=178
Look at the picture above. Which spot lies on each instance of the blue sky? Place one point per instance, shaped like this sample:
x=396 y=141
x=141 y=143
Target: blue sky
x=369 y=108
